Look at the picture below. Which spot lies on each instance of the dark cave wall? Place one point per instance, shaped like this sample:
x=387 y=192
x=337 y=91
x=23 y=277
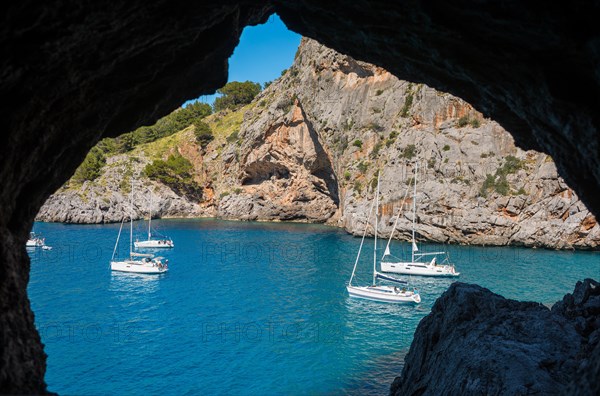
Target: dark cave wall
x=74 y=72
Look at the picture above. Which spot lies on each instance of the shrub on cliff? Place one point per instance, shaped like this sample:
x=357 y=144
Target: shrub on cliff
x=176 y=173
x=166 y=126
x=204 y=134
x=91 y=166
x=236 y=94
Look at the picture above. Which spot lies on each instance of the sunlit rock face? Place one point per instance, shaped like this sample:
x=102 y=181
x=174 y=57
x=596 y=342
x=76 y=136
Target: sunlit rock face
x=532 y=67
x=73 y=72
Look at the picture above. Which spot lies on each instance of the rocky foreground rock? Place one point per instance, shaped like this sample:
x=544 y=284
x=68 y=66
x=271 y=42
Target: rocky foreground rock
x=475 y=342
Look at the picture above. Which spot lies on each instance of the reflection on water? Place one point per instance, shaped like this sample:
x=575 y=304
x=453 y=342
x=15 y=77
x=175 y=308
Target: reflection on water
x=130 y=283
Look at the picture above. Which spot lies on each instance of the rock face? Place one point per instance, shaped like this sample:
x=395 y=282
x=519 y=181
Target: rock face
x=519 y=64
x=283 y=171
x=108 y=198
x=309 y=149
x=478 y=343
x=74 y=74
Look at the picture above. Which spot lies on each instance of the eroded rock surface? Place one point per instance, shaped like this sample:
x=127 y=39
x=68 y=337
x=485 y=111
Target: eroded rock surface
x=475 y=342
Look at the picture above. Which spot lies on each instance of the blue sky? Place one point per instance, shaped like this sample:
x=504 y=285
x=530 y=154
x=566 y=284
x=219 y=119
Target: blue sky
x=263 y=52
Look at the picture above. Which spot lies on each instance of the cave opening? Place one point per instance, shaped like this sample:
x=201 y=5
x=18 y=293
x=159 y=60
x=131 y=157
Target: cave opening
x=94 y=87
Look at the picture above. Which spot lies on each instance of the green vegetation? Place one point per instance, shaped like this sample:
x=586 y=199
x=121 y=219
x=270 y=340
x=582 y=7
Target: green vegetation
x=379 y=92
x=391 y=139
x=358 y=187
x=234 y=137
x=466 y=120
x=166 y=126
x=502 y=187
x=343 y=144
x=446 y=147
x=363 y=166
x=347 y=175
x=375 y=127
x=431 y=163
x=373 y=183
x=91 y=166
x=357 y=143
x=236 y=94
x=287 y=103
x=409 y=151
x=460 y=179
x=498 y=181
x=203 y=133
x=223 y=125
x=511 y=165
x=175 y=172
x=125 y=183
x=408 y=101
x=375 y=152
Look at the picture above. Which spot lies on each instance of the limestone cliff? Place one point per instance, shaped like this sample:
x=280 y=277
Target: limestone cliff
x=309 y=148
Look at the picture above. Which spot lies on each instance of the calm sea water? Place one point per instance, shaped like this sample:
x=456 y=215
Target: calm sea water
x=247 y=308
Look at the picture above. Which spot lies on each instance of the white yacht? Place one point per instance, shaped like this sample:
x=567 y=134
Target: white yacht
x=35 y=240
x=159 y=243
x=419 y=263
x=138 y=263
x=383 y=293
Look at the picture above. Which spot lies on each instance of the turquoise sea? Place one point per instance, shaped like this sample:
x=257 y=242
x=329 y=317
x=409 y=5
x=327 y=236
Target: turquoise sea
x=247 y=308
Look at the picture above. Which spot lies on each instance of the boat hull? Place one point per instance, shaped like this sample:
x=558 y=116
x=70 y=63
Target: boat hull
x=138 y=267
x=420 y=269
x=387 y=294
x=154 y=244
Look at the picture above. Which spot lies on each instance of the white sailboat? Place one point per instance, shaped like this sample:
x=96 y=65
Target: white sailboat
x=138 y=263
x=35 y=240
x=383 y=293
x=153 y=243
x=418 y=264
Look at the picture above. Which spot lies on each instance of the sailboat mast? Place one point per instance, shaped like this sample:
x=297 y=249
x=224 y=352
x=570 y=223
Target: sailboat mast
x=375 y=247
x=362 y=241
x=150 y=216
x=412 y=248
x=131 y=220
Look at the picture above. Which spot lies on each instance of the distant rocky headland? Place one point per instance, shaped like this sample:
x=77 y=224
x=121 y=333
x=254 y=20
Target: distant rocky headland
x=308 y=148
